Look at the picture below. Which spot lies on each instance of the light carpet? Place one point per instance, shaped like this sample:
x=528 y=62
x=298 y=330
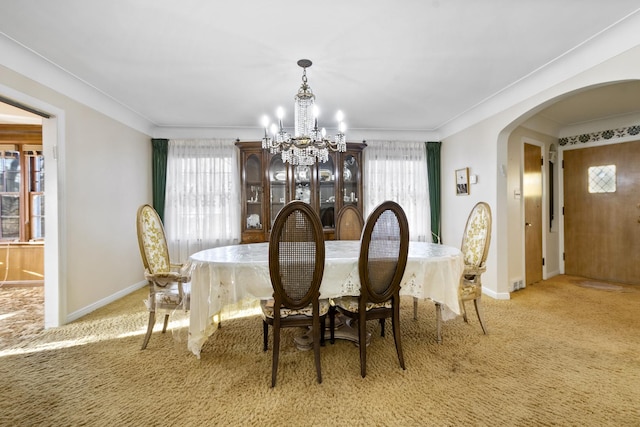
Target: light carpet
x=557 y=354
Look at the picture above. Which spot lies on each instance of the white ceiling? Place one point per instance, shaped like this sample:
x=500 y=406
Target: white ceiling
x=389 y=65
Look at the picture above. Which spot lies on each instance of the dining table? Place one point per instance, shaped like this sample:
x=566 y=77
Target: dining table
x=235 y=276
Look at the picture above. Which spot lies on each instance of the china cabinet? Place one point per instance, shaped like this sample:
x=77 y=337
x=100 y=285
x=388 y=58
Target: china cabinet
x=268 y=184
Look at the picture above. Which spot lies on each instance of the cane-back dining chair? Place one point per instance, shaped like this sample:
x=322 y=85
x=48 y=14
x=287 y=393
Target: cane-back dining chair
x=349 y=223
x=383 y=257
x=296 y=266
x=475 y=248
x=169 y=287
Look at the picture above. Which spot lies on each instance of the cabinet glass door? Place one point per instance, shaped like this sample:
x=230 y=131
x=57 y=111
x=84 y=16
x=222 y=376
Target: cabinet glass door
x=327 y=193
x=253 y=192
x=302 y=183
x=350 y=180
x=277 y=187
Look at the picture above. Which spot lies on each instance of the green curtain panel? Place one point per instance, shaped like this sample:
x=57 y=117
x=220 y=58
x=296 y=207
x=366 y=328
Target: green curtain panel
x=160 y=148
x=433 y=172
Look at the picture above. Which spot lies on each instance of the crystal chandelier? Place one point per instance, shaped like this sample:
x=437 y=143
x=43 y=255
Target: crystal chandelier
x=308 y=143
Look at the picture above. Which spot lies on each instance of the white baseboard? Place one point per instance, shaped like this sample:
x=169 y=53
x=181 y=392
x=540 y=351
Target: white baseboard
x=496 y=295
x=105 y=301
x=550 y=274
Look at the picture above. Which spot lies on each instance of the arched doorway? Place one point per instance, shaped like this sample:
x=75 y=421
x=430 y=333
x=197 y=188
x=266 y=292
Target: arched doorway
x=605 y=109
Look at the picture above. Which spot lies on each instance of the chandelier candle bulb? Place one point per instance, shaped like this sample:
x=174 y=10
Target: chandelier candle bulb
x=280 y=114
x=316 y=113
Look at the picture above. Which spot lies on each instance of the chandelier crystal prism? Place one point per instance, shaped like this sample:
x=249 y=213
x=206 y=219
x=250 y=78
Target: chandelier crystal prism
x=308 y=144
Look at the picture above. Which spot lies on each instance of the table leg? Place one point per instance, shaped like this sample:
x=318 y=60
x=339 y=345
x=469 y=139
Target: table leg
x=439 y=322
x=346 y=329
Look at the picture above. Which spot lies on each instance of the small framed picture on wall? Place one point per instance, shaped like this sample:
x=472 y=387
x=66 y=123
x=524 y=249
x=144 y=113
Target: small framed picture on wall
x=462 y=182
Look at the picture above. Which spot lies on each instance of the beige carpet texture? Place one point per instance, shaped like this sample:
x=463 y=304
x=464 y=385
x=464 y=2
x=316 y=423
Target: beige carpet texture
x=563 y=352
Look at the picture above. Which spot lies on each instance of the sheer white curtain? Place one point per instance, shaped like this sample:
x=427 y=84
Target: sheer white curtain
x=202 y=207
x=397 y=170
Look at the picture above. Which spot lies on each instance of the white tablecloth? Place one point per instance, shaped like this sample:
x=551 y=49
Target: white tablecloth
x=229 y=275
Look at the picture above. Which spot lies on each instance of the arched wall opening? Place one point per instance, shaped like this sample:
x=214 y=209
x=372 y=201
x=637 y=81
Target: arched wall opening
x=526 y=128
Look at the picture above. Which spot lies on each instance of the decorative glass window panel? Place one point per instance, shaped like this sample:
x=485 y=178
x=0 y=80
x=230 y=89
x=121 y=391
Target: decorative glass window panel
x=602 y=179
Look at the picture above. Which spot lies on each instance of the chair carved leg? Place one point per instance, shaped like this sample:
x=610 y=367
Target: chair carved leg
x=323 y=325
x=316 y=347
x=395 y=320
x=439 y=323
x=265 y=335
x=476 y=302
x=276 y=354
x=147 y=337
x=464 y=311
x=362 y=340
x=415 y=308
x=382 y=323
x=166 y=322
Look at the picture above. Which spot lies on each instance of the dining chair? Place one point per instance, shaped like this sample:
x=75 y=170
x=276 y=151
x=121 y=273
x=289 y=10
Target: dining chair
x=169 y=287
x=383 y=257
x=349 y=223
x=296 y=266
x=475 y=248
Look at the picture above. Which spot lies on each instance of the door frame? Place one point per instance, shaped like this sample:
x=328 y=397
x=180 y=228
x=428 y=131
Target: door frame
x=53 y=146
x=544 y=207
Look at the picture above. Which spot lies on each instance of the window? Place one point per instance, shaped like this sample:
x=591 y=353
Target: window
x=390 y=170
x=602 y=179
x=21 y=193
x=202 y=205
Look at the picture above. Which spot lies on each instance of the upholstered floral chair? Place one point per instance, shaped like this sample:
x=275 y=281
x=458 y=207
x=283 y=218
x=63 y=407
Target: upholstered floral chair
x=168 y=283
x=475 y=248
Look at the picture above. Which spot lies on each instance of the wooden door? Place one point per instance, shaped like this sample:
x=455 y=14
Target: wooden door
x=532 y=193
x=602 y=229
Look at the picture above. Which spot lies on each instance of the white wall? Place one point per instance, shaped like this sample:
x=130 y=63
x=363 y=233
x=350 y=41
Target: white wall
x=108 y=175
x=474 y=148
